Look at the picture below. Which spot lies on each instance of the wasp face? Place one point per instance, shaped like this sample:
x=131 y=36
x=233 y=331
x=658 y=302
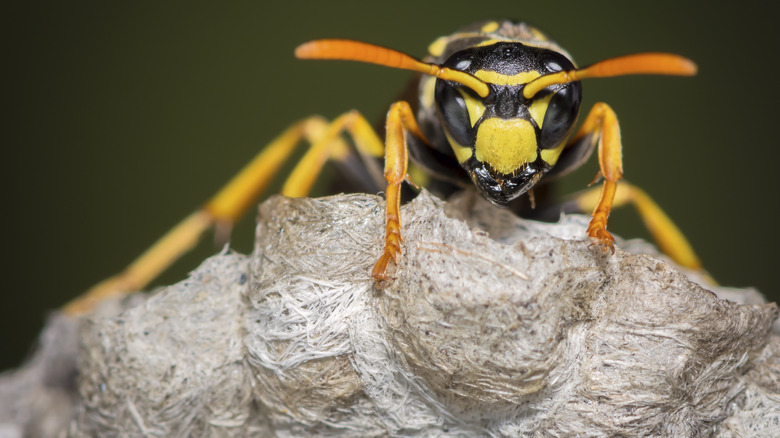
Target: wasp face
x=504 y=141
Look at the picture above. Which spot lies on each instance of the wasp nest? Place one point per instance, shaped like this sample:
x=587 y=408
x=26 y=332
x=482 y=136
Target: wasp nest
x=493 y=326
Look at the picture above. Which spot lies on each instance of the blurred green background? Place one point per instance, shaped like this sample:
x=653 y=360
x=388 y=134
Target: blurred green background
x=121 y=118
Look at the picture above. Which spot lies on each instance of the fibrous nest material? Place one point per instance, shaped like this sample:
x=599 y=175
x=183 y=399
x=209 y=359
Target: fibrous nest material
x=492 y=326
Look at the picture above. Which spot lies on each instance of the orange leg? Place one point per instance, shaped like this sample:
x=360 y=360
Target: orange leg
x=400 y=120
x=602 y=121
x=230 y=203
x=670 y=240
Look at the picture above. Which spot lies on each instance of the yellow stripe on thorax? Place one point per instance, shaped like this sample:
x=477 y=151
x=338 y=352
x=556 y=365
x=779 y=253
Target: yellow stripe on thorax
x=506 y=144
x=437 y=47
x=490 y=27
x=428 y=95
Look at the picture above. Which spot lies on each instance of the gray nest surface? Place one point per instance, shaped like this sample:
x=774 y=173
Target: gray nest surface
x=493 y=326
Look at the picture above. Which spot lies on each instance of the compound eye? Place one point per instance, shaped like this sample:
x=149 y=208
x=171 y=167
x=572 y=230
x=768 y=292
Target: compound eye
x=453 y=113
x=560 y=116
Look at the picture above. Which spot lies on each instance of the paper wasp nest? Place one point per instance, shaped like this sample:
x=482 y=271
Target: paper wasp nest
x=495 y=326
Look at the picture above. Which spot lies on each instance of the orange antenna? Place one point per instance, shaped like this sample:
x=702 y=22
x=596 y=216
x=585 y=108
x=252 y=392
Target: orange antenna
x=363 y=52
x=640 y=63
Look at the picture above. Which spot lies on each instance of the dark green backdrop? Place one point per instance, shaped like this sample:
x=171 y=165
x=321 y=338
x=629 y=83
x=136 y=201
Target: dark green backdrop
x=121 y=118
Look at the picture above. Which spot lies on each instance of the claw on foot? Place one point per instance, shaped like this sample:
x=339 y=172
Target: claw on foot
x=392 y=251
x=602 y=238
x=380 y=269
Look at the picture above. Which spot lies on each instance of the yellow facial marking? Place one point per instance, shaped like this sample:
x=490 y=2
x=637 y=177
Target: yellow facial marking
x=428 y=91
x=490 y=27
x=538 y=108
x=462 y=153
x=506 y=145
x=474 y=106
x=502 y=79
x=550 y=156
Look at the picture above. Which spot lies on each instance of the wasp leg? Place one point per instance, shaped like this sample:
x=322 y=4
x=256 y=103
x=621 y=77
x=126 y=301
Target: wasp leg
x=667 y=235
x=602 y=121
x=236 y=196
x=305 y=173
x=400 y=120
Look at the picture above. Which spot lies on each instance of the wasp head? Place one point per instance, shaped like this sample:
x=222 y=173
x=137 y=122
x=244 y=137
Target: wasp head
x=505 y=141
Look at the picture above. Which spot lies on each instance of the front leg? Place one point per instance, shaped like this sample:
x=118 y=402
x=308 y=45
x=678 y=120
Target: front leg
x=602 y=122
x=400 y=120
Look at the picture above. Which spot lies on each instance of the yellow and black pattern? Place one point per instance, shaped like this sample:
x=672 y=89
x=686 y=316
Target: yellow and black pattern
x=503 y=141
x=495 y=106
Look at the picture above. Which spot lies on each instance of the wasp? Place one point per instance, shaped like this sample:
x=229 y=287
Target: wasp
x=496 y=107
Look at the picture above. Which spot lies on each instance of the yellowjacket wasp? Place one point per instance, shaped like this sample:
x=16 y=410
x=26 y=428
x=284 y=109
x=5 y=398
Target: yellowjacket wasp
x=496 y=108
